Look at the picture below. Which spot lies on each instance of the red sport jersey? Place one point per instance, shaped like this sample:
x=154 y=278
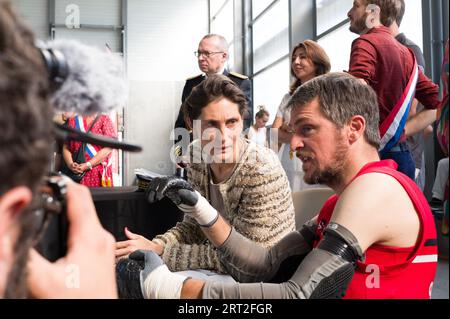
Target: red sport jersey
x=392 y=272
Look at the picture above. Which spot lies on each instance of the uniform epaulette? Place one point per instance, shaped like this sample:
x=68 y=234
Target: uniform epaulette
x=194 y=77
x=238 y=75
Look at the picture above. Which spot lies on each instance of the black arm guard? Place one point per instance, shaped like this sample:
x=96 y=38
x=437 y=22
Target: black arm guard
x=128 y=278
x=328 y=270
x=340 y=242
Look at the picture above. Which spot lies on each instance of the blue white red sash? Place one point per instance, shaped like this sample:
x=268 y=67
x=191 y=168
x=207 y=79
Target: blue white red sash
x=90 y=150
x=392 y=127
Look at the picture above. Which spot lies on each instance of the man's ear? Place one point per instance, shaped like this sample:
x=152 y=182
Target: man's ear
x=225 y=56
x=12 y=203
x=373 y=16
x=357 y=126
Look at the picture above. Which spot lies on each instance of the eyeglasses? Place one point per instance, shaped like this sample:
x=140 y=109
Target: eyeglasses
x=206 y=54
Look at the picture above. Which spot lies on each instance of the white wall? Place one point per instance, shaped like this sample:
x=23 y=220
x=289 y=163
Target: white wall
x=36 y=15
x=161 y=38
x=97 y=12
x=412 y=24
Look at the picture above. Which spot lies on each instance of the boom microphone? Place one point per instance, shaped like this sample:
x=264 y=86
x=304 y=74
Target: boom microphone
x=95 y=81
x=86 y=80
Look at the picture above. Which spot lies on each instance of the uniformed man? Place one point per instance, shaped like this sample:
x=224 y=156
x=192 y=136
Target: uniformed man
x=212 y=56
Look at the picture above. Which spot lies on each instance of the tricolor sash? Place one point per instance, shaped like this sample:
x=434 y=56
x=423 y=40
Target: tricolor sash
x=392 y=127
x=90 y=150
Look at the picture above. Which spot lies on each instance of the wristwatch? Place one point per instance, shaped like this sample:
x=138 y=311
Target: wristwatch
x=89 y=165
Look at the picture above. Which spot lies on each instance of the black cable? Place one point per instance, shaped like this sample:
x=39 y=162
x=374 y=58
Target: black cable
x=65 y=133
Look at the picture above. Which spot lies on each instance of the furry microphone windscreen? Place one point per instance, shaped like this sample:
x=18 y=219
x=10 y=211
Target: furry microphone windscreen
x=96 y=80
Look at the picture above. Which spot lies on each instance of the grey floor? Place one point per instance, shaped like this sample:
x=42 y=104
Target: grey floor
x=440 y=287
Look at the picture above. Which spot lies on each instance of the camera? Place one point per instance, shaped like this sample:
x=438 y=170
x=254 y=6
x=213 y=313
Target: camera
x=49 y=212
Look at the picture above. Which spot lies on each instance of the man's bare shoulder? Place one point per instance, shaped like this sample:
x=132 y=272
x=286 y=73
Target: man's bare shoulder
x=375 y=191
x=377 y=208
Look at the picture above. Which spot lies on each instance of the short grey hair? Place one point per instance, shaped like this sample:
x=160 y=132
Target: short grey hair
x=222 y=43
x=342 y=96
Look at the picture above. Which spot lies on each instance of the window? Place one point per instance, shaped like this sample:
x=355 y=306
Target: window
x=270 y=86
x=271 y=35
x=340 y=38
x=222 y=23
x=412 y=22
x=330 y=13
x=259 y=6
x=215 y=6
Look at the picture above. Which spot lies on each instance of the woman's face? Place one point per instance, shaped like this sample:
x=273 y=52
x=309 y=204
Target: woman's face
x=303 y=67
x=221 y=125
x=261 y=121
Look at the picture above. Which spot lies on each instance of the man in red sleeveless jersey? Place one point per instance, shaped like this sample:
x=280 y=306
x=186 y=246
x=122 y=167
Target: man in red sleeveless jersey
x=375 y=238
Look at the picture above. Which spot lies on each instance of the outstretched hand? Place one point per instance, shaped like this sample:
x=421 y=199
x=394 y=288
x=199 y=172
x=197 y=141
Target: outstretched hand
x=135 y=242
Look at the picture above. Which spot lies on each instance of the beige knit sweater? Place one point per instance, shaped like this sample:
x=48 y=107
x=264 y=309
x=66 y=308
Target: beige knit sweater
x=257 y=201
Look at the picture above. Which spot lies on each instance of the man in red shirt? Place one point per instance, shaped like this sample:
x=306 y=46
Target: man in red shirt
x=377 y=224
x=389 y=68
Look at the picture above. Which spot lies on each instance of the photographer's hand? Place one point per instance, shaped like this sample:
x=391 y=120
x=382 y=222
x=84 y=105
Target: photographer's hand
x=185 y=197
x=87 y=271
